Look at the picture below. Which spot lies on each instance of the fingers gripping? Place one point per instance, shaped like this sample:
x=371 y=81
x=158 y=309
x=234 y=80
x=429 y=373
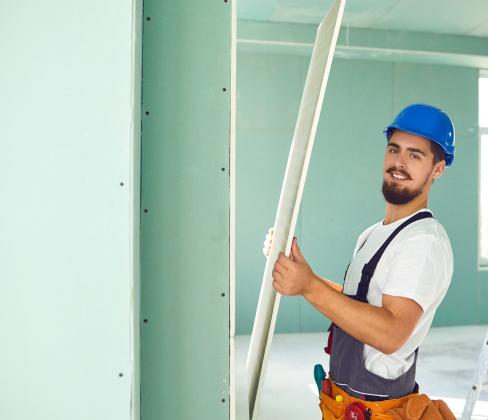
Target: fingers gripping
x=276 y=274
x=295 y=251
x=267 y=242
x=285 y=261
x=277 y=287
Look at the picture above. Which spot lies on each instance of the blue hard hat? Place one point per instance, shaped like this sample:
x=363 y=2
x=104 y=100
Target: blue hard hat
x=427 y=121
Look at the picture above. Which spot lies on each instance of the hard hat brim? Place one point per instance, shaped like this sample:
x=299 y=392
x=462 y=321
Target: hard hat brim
x=449 y=153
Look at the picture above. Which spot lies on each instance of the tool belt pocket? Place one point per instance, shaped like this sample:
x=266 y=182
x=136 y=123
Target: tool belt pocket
x=380 y=416
x=331 y=409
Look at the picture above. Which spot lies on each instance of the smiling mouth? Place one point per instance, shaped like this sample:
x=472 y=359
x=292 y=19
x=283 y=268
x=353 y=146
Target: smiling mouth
x=398 y=177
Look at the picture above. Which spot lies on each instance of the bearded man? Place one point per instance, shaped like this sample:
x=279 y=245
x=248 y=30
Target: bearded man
x=400 y=272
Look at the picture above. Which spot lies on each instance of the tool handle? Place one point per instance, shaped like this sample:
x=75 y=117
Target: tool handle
x=326 y=388
x=319 y=375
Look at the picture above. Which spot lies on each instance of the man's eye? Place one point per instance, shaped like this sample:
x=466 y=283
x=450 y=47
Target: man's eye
x=415 y=156
x=393 y=151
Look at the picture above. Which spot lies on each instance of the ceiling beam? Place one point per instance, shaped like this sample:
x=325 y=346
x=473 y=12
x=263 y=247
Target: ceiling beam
x=365 y=44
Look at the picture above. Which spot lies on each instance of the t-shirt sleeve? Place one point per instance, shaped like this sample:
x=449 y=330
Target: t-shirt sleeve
x=419 y=269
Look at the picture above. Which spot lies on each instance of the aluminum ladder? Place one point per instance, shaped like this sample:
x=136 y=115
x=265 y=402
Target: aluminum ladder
x=478 y=382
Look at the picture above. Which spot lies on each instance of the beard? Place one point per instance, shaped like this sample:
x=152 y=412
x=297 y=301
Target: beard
x=396 y=194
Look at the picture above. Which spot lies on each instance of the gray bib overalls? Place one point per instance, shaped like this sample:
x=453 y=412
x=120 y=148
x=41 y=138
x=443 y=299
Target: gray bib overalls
x=347 y=368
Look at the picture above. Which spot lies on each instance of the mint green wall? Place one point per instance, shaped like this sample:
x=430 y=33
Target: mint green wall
x=69 y=219
x=186 y=110
x=342 y=195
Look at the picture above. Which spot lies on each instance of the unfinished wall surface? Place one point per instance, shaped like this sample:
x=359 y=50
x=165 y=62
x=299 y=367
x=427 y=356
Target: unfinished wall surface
x=186 y=198
x=69 y=176
x=342 y=196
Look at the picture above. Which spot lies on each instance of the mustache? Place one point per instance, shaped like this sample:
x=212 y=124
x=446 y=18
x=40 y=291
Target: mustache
x=403 y=172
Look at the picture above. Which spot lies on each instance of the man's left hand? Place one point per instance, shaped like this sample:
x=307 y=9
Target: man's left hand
x=292 y=275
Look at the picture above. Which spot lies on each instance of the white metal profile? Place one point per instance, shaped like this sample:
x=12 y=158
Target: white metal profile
x=291 y=194
x=478 y=382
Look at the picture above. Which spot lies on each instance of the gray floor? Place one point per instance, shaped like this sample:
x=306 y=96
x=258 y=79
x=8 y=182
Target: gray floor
x=447 y=359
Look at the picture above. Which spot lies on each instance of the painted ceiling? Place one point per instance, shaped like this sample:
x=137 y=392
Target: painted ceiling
x=459 y=17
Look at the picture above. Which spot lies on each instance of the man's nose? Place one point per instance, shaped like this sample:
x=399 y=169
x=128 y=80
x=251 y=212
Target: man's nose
x=400 y=160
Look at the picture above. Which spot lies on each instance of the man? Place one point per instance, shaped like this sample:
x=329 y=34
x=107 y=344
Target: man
x=400 y=272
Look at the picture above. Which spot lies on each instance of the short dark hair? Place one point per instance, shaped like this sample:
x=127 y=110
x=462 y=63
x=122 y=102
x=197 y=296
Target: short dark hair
x=435 y=148
x=438 y=151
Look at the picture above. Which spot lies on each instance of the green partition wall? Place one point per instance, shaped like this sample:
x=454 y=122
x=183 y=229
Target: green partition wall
x=69 y=218
x=186 y=198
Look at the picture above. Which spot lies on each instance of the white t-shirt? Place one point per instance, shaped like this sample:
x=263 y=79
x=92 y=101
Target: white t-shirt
x=418 y=265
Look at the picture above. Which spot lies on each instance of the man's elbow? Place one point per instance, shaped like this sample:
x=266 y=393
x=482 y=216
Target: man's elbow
x=391 y=345
x=389 y=350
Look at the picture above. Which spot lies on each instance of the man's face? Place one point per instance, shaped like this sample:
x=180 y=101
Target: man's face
x=408 y=168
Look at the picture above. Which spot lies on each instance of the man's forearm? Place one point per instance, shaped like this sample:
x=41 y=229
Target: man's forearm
x=335 y=286
x=372 y=325
x=386 y=328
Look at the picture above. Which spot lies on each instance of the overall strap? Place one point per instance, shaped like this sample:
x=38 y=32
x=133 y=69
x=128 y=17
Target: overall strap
x=370 y=267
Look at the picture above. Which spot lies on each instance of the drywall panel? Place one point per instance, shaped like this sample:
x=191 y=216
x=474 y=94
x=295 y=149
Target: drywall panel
x=290 y=198
x=69 y=156
x=186 y=204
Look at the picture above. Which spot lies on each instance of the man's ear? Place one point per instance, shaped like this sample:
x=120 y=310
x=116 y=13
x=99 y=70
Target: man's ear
x=439 y=168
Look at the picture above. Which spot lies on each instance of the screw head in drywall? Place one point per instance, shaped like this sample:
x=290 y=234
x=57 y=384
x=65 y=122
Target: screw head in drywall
x=147 y=112
x=474 y=388
x=121 y=184
x=223 y=169
x=223 y=294
x=121 y=374
x=224 y=89
x=148 y=18
x=223 y=400
x=145 y=321
x=145 y=210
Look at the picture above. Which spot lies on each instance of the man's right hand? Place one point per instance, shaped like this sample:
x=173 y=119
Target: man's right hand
x=267 y=248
